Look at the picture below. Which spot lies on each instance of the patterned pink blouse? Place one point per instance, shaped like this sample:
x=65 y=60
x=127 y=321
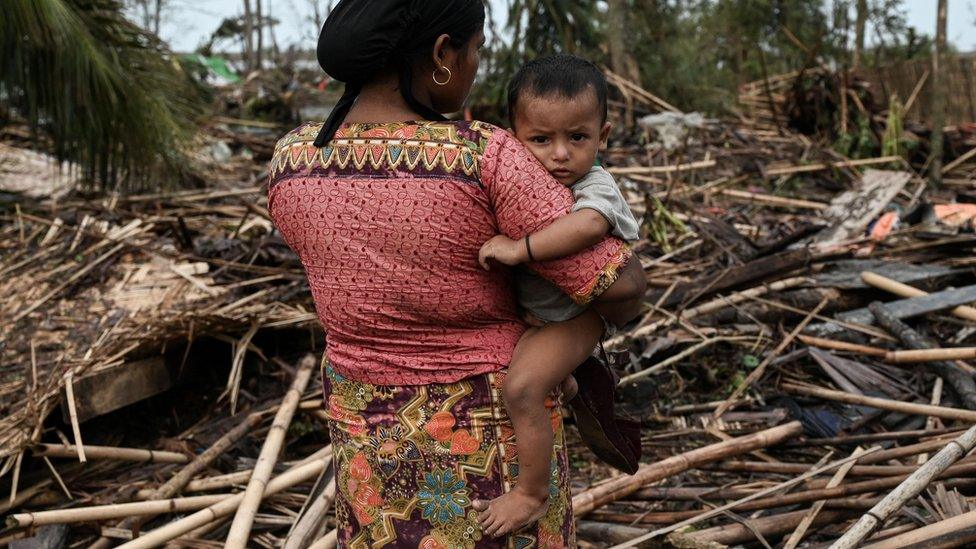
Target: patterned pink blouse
x=387 y=220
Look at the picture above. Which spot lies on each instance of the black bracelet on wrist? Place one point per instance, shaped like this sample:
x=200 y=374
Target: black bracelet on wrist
x=528 y=249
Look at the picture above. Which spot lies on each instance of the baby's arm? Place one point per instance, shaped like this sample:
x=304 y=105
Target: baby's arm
x=565 y=236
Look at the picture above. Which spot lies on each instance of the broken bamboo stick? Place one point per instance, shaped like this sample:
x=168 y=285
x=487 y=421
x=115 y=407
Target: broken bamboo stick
x=109 y=452
x=772 y=200
x=613 y=490
x=240 y=529
x=931 y=355
x=328 y=541
x=311 y=519
x=114 y=511
x=908 y=489
x=943 y=412
x=833 y=345
x=927 y=533
x=732 y=534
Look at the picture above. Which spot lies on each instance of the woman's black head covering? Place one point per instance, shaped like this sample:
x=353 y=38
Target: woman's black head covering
x=361 y=37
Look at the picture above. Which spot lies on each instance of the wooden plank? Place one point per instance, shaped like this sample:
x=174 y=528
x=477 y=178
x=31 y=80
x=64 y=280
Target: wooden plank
x=111 y=389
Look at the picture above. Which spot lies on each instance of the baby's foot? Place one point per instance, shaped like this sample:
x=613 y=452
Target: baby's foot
x=510 y=512
x=568 y=389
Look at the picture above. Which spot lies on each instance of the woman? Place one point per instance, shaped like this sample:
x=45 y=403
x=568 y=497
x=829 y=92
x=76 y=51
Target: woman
x=387 y=214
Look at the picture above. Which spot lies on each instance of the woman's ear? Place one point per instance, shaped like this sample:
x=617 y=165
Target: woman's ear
x=605 y=135
x=441 y=53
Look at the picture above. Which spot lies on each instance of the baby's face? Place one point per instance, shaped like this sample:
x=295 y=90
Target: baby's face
x=563 y=134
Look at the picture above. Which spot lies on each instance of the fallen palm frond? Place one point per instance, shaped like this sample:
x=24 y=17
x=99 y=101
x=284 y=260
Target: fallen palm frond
x=108 y=95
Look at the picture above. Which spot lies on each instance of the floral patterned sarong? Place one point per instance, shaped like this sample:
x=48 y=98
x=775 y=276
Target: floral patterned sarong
x=411 y=459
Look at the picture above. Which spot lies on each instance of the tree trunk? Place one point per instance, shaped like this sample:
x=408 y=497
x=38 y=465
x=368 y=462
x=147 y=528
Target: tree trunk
x=157 y=16
x=938 y=95
x=259 y=28
x=617 y=20
x=248 y=53
x=862 y=17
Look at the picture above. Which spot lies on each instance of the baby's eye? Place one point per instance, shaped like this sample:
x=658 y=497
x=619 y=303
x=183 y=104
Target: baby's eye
x=539 y=140
x=578 y=137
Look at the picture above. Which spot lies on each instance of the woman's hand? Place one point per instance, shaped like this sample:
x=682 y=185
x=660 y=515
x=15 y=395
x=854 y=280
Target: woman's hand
x=503 y=250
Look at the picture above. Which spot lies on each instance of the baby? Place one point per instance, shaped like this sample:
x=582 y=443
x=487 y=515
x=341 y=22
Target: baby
x=557 y=107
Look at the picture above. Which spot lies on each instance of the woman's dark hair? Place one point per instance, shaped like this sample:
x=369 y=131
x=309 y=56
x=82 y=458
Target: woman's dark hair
x=363 y=37
x=561 y=75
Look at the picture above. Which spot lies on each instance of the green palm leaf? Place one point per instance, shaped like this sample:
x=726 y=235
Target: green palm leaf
x=106 y=93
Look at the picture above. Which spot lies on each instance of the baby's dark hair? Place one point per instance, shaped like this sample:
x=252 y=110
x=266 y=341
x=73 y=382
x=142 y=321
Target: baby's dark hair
x=562 y=75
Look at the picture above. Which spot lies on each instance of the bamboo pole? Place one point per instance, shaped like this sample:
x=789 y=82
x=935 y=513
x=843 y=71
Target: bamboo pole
x=114 y=511
x=311 y=519
x=292 y=477
x=838 y=496
x=963 y=468
x=109 y=452
x=328 y=541
x=904 y=290
x=732 y=534
x=240 y=528
x=618 y=488
x=928 y=533
x=873 y=437
x=832 y=345
x=230 y=479
x=206 y=484
x=665 y=518
x=931 y=355
x=719 y=510
x=774 y=200
x=943 y=412
x=907 y=490
x=776 y=172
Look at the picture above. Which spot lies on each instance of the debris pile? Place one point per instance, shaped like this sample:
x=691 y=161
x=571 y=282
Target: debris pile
x=803 y=356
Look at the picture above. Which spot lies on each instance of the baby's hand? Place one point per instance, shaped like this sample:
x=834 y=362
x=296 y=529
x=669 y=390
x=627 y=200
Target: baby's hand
x=503 y=250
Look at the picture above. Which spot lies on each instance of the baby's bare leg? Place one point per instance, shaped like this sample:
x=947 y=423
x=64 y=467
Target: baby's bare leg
x=543 y=358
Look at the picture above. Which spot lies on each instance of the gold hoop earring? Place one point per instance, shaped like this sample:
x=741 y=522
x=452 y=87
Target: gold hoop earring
x=439 y=83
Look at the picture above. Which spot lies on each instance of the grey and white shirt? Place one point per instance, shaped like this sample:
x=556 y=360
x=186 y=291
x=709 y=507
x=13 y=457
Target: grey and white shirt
x=597 y=190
